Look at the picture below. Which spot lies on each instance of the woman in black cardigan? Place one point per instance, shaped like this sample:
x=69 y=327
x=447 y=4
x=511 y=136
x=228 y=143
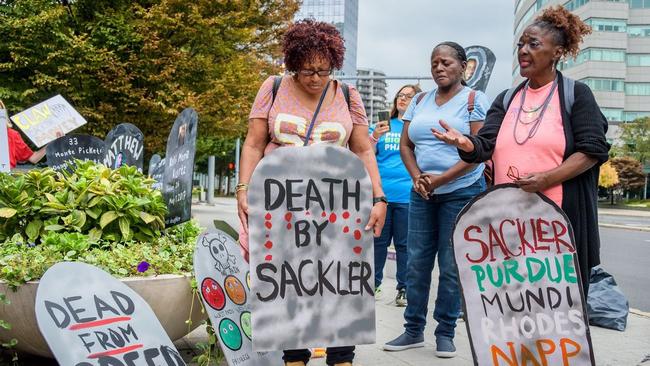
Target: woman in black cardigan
x=572 y=181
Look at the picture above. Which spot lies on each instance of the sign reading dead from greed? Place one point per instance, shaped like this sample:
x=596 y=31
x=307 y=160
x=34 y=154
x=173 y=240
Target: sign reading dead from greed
x=311 y=259
x=223 y=277
x=89 y=318
x=520 y=281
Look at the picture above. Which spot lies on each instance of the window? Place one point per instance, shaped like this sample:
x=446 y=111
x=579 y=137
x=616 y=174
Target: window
x=638 y=4
x=524 y=19
x=638 y=30
x=575 y=4
x=638 y=60
x=637 y=88
x=612 y=114
x=631 y=116
x=594 y=54
x=611 y=85
x=607 y=25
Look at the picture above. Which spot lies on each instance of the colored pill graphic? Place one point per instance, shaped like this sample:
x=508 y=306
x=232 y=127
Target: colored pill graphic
x=235 y=290
x=213 y=293
x=230 y=334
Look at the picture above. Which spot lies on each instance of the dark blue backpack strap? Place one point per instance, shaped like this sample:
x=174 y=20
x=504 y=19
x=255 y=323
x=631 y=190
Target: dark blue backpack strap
x=346 y=93
x=276 y=86
x=420 y=97
x=568 y=85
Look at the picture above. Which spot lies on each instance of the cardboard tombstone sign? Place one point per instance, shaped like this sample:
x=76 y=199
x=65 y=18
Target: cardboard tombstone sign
x=48 y=120
x=311 y=260
x=224 y=279
x=4 y=141
x=179 y=167
x=64 y=150
x=158 y=174
x=89 y=318
x=520 y=281
x=480 y=63
x=124 y=146
x=155 y=160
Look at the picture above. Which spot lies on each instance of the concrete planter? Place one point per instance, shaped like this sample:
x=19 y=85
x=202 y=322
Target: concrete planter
x=170 y=297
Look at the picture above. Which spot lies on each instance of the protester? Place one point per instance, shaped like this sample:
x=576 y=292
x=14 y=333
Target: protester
x=547 y=148
x=312 y=50
x=442 y=185
x=19 y=152
x=395 y=180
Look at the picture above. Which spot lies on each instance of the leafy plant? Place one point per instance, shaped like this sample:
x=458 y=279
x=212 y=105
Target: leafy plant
x=114 y=205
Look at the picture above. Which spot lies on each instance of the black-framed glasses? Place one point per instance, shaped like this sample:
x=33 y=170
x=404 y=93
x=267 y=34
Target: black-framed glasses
x=404 y=96
x=312 y=72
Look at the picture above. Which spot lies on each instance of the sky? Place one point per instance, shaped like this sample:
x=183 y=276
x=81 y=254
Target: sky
x=397 y=36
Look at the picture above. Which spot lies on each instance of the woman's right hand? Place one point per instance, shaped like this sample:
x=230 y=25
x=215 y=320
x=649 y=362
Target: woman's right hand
x=242 y=209
x=420 y=187
x=380 y=129
x=453 y=137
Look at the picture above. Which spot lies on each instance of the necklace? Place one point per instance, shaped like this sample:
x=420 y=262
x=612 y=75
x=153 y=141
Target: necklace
x=535 y=122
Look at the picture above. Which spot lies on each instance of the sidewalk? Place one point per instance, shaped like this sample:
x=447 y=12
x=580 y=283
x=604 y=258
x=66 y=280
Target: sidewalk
x=611 y=348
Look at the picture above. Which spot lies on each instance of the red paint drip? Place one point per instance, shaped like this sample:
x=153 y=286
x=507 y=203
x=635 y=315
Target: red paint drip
x=346 y=229
x=268 y=244
x=289 y=226
x=332 y=217
x=268 y=224
x=99 y=323
x=267 y=236
x=323 y=214
x=357 y=249
x=288 y=216
x=346 y=215
x=358 y=220
x=118 y=351
x=268 y=258
x=307 y=213
x=357 y=234
x=268 y=216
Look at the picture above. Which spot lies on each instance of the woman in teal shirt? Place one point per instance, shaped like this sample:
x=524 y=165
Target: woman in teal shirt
x=396 y=182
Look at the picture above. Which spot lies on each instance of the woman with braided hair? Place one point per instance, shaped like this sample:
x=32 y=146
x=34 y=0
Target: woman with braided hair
x=543 y=141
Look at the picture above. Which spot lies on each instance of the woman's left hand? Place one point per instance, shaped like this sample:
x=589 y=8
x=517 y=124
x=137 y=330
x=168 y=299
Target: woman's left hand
x=377 y=218
x=534 y=182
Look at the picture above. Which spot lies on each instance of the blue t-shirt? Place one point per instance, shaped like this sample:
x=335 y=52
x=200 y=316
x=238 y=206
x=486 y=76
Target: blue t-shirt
x=395 y=179
x=432 y=155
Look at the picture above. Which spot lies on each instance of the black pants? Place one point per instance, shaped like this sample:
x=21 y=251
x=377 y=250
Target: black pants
x=334 y=355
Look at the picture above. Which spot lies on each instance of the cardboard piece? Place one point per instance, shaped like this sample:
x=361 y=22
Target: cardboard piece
x=179 y=167
x=89 y=318
x=480 y=63
x=124 y=146
x=224 y=281
x=520 y=281
x=48 y=120
x=64 y=150
x=312 y=262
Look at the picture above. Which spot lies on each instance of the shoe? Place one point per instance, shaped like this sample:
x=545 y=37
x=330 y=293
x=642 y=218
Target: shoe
x=405 y=341
x=445 y=347
x=343 y=364
x=318 y=353
x=295 y=363
x=400 y=300
x=378 y=292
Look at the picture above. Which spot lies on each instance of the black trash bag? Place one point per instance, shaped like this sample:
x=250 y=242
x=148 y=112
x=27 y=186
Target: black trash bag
x=607 y=306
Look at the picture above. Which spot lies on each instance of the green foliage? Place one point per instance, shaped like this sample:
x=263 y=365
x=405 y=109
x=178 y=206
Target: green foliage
x=142 y=61
x=636 y=139
x=104 y=204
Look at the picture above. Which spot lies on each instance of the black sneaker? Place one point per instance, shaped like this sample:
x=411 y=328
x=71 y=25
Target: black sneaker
x=400 y=300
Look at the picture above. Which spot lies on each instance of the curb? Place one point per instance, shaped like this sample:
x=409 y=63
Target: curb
x=640 y=313
x=616 y=226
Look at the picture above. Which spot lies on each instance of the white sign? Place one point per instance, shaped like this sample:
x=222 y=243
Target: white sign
x=311 y=259
x=48 y=120
x=4 y=142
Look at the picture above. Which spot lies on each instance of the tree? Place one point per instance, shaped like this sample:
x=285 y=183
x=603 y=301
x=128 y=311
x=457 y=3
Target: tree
x=635 y=136
x=143 y=61
x=608 y=179
x=630 y=172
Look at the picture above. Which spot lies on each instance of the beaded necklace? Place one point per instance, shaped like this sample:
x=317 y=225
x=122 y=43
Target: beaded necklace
x=537 y=120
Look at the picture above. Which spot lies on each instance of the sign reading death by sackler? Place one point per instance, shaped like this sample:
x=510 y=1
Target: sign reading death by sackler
x=311 y=260
x=89 y=318
x=179 y=167
x=124 y=146
x=48 y=120
x=518 y=271
x=64 y=150
x=224 y=279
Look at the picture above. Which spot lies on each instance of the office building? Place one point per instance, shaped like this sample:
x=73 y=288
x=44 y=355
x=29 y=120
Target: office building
x=343 y=14
x=373 y=92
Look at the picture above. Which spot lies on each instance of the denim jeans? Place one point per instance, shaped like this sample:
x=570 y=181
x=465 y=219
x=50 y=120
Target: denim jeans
x=395 y=229
x=430 y=227
x=334 y=355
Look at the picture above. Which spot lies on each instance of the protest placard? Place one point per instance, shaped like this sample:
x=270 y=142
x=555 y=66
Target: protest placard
x=156 y=170
x=480 y=63
x=64 y=150
x=179 y=167
x=224 y=279
x=311 y=260
x=48 y=120
x=124 y=146
x=89 y=318
x=520 y=281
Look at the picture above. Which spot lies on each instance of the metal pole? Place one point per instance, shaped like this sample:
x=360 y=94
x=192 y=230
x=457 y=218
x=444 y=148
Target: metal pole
x=210 y=192
x=238 y=142
x=372 y=101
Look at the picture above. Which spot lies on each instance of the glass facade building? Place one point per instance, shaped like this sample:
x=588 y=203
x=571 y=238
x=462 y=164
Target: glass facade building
x=344 y=14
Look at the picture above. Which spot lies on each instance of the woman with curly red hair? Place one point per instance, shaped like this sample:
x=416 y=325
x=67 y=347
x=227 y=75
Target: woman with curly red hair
x=312 y=50
x=540 y=141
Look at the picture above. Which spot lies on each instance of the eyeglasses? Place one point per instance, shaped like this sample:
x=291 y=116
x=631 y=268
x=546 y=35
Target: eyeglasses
x=312 y=72
x=513 y=173
x=404 y=96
